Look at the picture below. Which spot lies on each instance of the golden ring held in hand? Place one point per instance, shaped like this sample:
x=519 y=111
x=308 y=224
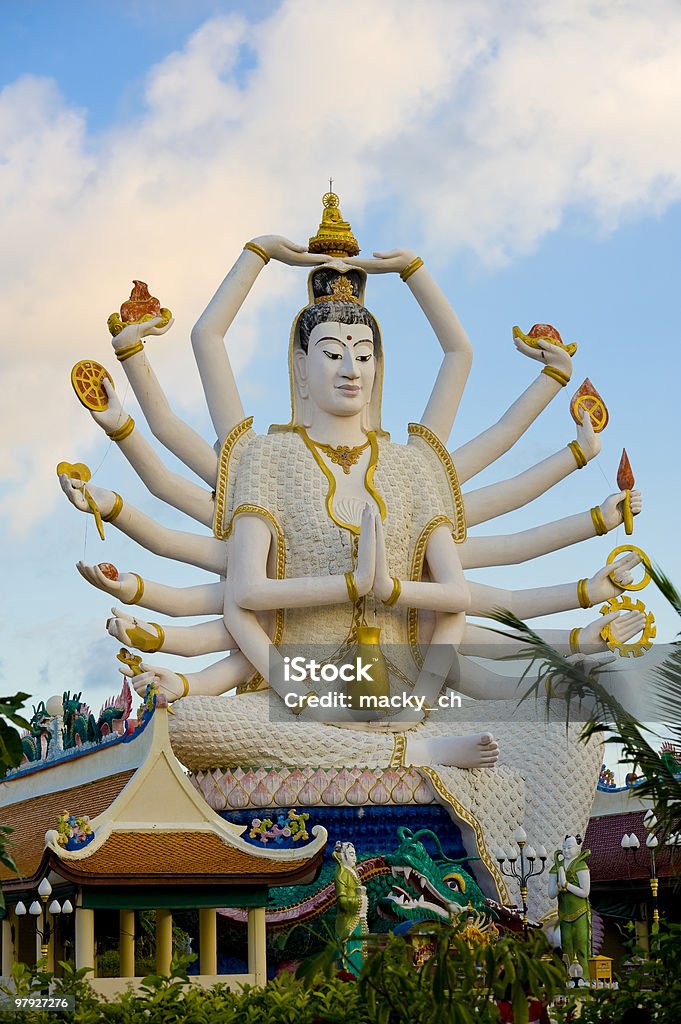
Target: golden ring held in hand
x=86 y=378
x=644 y=559
x=636 y=647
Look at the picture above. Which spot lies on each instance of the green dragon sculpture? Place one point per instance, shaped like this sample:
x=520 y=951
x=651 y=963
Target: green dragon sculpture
x=406 y=885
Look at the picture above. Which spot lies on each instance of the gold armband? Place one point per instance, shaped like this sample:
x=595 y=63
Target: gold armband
x=598 y=521
x=415 y=265
x=580 y=458
x=394 y=594
x=350 y=583
x=304 y=701
x=185 y=686
x=130 y=350
x=115 y=511
x=120 y=433
x=258 y=250
x=139 y=593
x=557 y=375
x=152 y=647
x=583 y=594
x=574 y=639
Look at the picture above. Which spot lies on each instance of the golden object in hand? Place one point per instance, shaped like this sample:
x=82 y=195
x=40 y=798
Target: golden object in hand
x=644 y=559
x=638 y=647
x=86 y=379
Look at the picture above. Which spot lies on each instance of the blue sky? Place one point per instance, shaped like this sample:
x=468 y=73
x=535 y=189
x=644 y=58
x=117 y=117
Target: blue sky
x=526 y=151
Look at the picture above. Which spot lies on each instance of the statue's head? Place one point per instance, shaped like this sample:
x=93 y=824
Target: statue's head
x=336 y=355
x=572 y=845
x=345 y=854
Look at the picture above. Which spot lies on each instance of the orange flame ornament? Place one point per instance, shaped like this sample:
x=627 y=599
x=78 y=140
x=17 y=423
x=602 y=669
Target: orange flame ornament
x=587 y=398
x=625 y=482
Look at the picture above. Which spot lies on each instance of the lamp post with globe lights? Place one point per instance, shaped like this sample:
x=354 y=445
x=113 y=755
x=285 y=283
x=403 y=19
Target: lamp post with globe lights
x=522 y=864
x=40 y=909
x=630 y=844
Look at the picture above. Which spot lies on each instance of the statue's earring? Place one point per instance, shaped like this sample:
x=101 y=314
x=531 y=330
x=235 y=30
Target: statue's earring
x=305 y=411
x=364 y=418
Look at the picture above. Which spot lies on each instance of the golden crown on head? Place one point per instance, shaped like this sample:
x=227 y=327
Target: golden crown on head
x=341 y=291
x=334 y=237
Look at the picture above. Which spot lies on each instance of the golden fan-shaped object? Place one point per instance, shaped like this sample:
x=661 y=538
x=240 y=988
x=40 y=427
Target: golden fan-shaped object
x=86 y=379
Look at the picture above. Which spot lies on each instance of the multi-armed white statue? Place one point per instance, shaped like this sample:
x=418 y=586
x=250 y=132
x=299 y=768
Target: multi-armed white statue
x=324 y=527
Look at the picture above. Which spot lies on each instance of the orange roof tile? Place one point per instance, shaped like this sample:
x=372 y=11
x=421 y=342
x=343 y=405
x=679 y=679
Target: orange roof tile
x=163 y=857
x=30 y=819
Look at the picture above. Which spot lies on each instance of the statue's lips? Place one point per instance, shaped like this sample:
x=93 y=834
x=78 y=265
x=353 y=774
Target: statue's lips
x=349 y=389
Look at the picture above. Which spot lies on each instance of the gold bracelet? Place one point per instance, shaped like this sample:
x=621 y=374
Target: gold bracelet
x=120 y=433
x=583 y=594
x=130 y=350
x=304 y=701
x=160 y=633
x=574 y=639
x=115 y=511
x=395 y=593
x=576 y=449
x=557 y=375
x=258 y=250
x=415 y=265
x=598 y=521
x=139 y=593
x=350 y=583
x=185 y=686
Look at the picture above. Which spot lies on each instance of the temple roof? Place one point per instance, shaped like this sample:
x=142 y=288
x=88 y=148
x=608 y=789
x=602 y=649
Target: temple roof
x=610 y=863
x=149 y=824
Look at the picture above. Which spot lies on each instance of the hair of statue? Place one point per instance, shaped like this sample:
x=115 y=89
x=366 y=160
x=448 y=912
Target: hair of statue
x=340 y=313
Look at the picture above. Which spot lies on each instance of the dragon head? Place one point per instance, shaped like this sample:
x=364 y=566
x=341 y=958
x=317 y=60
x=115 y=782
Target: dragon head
x=429 y=888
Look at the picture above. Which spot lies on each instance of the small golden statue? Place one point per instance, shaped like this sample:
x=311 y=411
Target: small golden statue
x=335 y=235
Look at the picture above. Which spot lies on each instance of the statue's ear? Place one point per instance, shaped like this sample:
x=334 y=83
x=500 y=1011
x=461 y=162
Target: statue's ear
x=300 y=368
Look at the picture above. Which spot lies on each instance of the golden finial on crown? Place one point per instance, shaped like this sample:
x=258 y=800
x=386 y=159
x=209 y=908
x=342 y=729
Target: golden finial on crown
x=334 y=237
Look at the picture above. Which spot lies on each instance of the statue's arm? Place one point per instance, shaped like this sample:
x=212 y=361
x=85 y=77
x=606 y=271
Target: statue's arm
x=553 y=886
x=487 y=503
x=201 y=638
x=484 y=449
x=203 y=552
x=208 y=335
x=130 y=588
x=449 y=591
x=176 y=435
x=443 y=404
x=510 y=549
x=212 y=681
x=584 y=887
x=170 y=487
x=526 y=604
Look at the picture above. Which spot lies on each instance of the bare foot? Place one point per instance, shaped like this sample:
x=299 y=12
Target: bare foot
x=477 y=750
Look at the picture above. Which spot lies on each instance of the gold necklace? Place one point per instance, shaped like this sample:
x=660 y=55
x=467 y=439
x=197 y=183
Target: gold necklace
x=342 y=455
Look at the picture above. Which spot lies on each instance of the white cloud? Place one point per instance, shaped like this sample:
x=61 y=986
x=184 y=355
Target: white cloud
x=484 y=124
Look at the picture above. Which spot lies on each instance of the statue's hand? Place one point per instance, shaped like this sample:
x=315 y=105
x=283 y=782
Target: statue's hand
x=393 y=262
x=365 y=570
x=168 y=682
x=383 y=584
x=602 y=588
x=114 y=415
x=73 y=489
x=133 y=333
x=129 y=630
x=548 y=354
x=279 y=248
x=623 y=626
x=587 y=438
x=611 y=508
x=124 y=588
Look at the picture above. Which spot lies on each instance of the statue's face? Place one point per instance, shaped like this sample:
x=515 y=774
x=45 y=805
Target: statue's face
x=339 y=367
x=570 y=847
x=348 y=855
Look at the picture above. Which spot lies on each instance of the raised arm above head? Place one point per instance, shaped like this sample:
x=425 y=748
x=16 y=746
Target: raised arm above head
x=208 y=335
x=176 y=435
x=170 y=487
x=494 y=442
x=203 y=552
x=443 y=404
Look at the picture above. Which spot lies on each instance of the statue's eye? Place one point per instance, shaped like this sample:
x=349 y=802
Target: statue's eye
x=456 y=882
x=364 y=357
x=332 y=355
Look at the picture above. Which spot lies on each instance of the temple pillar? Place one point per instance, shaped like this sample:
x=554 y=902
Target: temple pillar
x=257 y=944
x=164 y=940
x=208 y=941
x=85 y=938
x=8 y=951
x=126 y=940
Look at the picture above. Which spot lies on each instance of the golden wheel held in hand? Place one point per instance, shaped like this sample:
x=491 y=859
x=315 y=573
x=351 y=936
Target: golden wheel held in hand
x=86 y=378
x=623 y=603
